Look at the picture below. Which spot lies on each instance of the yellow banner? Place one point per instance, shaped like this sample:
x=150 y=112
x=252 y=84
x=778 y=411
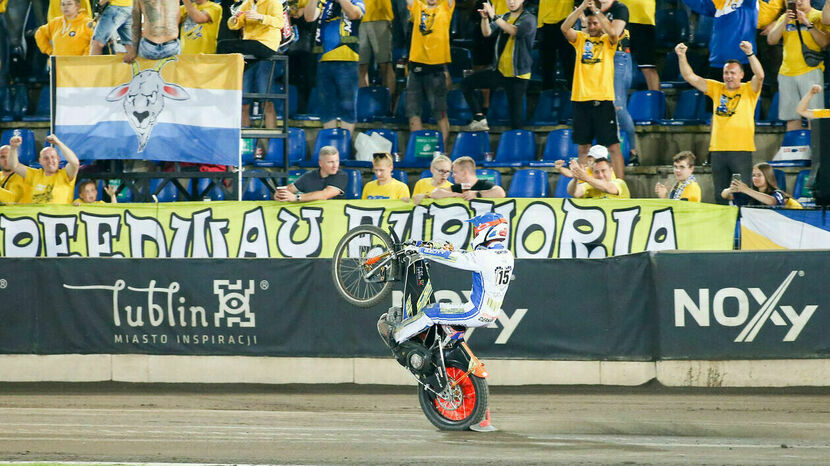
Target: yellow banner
x=539 y=228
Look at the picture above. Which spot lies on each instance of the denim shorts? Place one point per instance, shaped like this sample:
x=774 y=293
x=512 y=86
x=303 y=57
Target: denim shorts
x=114 y=19
x=152 y=51
x=337 y=90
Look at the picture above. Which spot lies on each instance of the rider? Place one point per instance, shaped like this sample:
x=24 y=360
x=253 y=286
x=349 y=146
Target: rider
x=492 y=266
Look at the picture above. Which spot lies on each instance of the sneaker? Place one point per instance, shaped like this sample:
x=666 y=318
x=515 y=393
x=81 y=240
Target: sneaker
x=478 y=125
x=633 y=159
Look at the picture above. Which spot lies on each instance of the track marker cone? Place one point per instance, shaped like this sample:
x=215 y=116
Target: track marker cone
x=484 y=425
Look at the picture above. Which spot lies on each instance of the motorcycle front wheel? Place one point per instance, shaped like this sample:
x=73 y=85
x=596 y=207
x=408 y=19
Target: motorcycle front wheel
x=458 y=407
x=364 y=266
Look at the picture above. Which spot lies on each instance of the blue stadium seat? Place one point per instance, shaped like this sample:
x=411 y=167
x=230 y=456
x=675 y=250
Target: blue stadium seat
x=433 y=141
x=529 y=182
x=248 y=151
x=400 y=175
x=43 y=111
x=517 y=147
x=647 y=107
x=690 y=109
x=499 y=112
x=355 y=187
x=547 y=112
x=561 y=190
x=294 y=174
x=292 y=100
x=389 y=134
x=780 y=179
x=168 y=193
x=462 y=60
x=296 y=150
x=473 y=144
x=215 y=193
x=458 y=111
x=400 y=111
x=671 y=27
x=800 y=181
x=489 y=174
x=372 y=103
x=256 y=190
x=559 y=145
x=799 y=137
x=338 y=137
x=5 y=104
x=313 y=107
x=772 y=114
x=26 y=153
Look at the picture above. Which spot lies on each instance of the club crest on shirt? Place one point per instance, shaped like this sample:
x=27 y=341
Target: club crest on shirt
x=591 y=52
x=192 y=29
x=727 y=105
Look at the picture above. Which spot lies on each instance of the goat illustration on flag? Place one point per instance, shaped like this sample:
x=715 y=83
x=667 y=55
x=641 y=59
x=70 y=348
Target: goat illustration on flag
x=184 y=108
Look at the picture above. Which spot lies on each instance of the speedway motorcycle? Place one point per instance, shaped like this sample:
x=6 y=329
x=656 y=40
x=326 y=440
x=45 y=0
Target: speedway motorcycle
x=367 y=264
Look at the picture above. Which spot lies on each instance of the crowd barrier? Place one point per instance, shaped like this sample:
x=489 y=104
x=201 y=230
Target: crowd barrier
x=718 y=318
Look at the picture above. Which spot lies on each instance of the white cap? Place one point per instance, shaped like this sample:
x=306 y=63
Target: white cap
x=598 y=152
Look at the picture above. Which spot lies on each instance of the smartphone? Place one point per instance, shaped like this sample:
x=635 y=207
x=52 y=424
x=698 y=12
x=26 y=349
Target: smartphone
x=466 y=186
x=791 y=6
x=736 y=177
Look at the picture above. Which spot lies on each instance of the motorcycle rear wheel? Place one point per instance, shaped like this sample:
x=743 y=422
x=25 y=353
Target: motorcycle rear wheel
x=349 y=266
x=459 y=407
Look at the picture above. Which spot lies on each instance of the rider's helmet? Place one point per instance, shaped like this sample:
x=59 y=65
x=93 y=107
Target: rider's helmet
x=488 y=229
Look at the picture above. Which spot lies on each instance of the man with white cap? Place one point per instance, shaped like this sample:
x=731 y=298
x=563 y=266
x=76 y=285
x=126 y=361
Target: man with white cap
x=597 y=181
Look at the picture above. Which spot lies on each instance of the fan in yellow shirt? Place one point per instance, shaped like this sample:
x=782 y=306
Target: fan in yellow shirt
x=199 y=26
x=441 y=167
x=68 y=34
x=802 y=109
x=384 y=187
x=12 y=186
x=50 y=184
x=686 y=188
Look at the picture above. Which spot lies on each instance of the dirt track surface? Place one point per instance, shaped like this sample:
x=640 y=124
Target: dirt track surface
x=344 y=424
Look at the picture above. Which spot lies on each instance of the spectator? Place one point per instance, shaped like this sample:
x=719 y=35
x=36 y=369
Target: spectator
x=159 y=37
x=813 y=112
x=467 y=185
x=199 y=26
x=734 y=22
x=384 y=187
x=68 y=34
x=337 y=73
x=88 y=193
x=302 y=63
x=428 y=58
x=733 y=121
x=319 y=185
x=55 y=11
x=50 y=184
x=764 y=190
x=441 y=167
x=770 y=56
x=376 y=42
x=594 y=114
x=617 y=13
x=802 y=65
x=12 y=186
x=554 y=50
x=644 y=39
x=686 y=188
x=117 y=18
x=597 y=181
x=515 y=31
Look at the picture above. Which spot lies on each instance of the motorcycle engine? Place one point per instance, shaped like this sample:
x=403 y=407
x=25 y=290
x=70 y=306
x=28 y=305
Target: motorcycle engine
x=416 y=358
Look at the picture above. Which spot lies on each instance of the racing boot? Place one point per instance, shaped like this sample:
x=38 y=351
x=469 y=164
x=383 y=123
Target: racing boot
x=386 y=329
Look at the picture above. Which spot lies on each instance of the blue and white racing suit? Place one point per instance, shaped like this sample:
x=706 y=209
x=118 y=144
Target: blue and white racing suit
x=492 y=268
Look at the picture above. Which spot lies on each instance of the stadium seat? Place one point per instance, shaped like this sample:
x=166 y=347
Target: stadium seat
x=400 y=111
x=5 y=104
x=799 y=137
x=703 y=31
x=372 y=103
x=292 y=100
x=355 y=187
x=772 y=114
x=458 y=111
x=780 y=179
x=167 y=193
x=248 y=151
x=690 y=109
x=799 y=188
x=517 y=147
x=400 y=175
x=672 y=27
x=312 y=108
x=215 y=193
x=559 y=145
x=547 y=111
x=473 y=144
x=389 y=134
x=670 y=77
x=461 y=61
x=296 y=150
x=26 y=153
x=489 y=174
x=43 y=111
x=428 y=142
x=499 y=112
x=337 y=137
x=561 y=190
x=256 y=189
x=529 y=182
x=294 y=174
x=647 y=107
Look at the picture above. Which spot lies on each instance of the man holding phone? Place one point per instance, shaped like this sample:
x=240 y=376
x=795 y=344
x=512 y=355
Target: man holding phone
x=732 y=139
